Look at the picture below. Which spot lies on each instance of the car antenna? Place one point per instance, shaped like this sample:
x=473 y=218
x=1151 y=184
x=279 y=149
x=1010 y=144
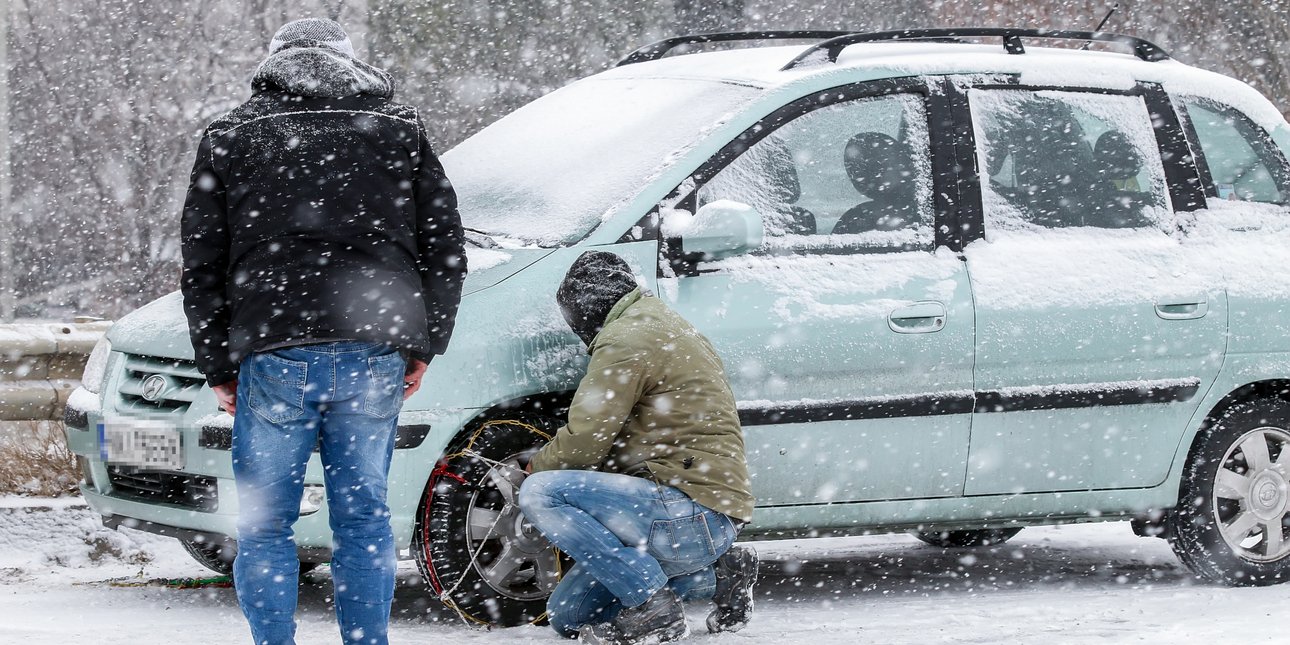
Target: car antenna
x=1102 y=24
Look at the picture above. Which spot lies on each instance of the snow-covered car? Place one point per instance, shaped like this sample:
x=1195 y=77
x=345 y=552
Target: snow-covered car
x=959 y=289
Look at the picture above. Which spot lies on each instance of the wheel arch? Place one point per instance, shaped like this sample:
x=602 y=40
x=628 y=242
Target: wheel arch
x=426 y=531
x=1264 y=389
x=554 y=404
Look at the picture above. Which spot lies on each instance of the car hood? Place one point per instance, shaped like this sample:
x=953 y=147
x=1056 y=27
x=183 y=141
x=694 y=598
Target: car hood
x=487 y=267
x=159 y=328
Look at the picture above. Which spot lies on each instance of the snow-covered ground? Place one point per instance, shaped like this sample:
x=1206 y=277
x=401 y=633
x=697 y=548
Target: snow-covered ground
x=1053 y=585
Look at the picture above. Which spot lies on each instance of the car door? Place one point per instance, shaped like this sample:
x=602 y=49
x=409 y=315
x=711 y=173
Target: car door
x=1096 y=336
x=847 y=336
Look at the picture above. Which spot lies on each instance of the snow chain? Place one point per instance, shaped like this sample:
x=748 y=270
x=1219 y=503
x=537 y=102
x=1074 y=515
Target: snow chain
x=445 y=596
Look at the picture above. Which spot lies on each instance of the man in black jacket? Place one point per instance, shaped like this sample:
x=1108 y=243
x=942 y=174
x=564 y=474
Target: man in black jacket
x=322 y=247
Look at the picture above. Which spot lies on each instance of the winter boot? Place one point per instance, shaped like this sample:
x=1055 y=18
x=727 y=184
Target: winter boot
x=661 y=619
x=736 y=574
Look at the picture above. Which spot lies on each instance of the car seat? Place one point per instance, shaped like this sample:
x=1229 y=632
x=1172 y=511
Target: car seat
x=785 y=187
x=765 y=177
x=1053 y=179
x=1118 y=160
x=880 y=168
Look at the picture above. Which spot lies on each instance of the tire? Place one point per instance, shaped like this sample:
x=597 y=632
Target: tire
x=219 y=557
x=965 y=539
x=472 y=545
x=1231 y=525
x=216 y=557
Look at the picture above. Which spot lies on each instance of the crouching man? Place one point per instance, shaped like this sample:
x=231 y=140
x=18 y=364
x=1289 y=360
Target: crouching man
x=647 y=486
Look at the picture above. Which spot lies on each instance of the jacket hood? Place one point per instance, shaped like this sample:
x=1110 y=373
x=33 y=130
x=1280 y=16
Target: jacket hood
x=594 y=284
x=308 y=68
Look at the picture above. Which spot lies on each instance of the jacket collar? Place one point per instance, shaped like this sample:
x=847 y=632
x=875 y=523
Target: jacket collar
x=617 y=312
x=320 y=72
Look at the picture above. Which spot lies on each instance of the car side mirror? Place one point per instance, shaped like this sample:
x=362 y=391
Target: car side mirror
x=721 y=229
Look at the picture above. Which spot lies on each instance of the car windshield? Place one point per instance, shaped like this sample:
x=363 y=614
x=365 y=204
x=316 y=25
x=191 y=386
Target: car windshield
x=547 y=173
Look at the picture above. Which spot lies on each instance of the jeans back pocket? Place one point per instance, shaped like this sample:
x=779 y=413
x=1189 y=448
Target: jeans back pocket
x=277 y=387
x=682 y=545
x=384 y=397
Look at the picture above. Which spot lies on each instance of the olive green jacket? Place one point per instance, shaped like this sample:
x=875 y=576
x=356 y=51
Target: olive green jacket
x=655 y=402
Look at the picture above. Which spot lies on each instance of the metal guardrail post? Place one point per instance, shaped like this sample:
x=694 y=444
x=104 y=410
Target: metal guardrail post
x=40 y=365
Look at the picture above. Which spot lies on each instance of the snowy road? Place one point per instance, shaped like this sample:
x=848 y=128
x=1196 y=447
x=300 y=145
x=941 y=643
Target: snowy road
x=1052 y=585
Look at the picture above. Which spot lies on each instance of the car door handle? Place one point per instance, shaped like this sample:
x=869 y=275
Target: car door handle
x=1182 y=308
x=917 y=318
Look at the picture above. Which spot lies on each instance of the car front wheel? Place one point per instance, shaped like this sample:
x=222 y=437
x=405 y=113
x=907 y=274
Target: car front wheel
x=1232 y=523
x=473 y=546
x=216 y=557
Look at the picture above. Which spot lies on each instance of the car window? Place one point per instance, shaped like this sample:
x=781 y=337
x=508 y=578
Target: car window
x=1242 y=164
x=852 y=175
x=1054 y=159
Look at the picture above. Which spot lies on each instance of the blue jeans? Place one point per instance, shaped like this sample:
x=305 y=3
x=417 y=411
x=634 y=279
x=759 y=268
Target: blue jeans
x=630 y=538
x=343 y=398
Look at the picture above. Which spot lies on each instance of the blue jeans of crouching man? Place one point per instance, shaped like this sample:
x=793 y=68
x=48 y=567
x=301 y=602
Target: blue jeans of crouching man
x=344 y=398
x=629 y=536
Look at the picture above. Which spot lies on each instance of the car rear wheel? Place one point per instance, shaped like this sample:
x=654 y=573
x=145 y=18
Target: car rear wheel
x=473 y=546
x=1232 y=523
x=964 y=539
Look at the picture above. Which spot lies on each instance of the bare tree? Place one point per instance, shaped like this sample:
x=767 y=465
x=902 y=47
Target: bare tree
x=109 y=99
x=707 y=16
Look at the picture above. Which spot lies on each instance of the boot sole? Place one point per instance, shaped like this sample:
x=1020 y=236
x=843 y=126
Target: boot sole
x=673 y=632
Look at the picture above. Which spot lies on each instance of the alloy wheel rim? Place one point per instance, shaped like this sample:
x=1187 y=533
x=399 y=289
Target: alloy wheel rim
x=509 y=553
x=1251 y=497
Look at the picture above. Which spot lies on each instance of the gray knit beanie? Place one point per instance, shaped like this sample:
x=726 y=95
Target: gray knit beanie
x=594 y=284
x=317 y=32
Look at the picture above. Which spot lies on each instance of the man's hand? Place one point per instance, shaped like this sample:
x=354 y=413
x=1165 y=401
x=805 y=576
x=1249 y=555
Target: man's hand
x=412 y=377
x=226 y=394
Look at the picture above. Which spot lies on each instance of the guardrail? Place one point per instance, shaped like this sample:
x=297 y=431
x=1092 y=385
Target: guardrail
x=40 y=365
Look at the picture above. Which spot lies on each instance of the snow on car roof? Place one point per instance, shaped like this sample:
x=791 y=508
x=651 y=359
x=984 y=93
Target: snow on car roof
x=761 y=67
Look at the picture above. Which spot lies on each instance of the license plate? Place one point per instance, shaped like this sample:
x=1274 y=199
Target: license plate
x=143 y=444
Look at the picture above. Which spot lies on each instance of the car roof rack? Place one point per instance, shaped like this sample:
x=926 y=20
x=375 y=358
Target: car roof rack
x=1143 y=49
x=655 y=51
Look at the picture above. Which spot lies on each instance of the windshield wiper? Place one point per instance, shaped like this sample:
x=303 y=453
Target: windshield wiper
x=479 y=238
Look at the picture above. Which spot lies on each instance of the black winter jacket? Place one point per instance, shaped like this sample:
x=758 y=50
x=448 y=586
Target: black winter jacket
x=318 y=218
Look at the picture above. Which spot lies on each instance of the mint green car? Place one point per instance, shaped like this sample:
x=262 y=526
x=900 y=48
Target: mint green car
x=958 y=289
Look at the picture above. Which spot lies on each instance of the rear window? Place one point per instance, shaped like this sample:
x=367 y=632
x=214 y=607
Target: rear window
x=1243 y=163
x=1055 y=159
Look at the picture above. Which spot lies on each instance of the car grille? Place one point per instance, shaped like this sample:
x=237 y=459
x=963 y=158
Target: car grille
x=177 y=489
x=159 y=384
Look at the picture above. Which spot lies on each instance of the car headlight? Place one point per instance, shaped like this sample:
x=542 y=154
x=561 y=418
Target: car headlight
x=96 y=367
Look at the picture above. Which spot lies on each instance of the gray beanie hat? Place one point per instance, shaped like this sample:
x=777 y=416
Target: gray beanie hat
x=594 y=284
x=319 y=31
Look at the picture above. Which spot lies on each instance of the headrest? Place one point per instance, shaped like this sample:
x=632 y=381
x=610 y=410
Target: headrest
x=1116 y=157
x=780 y=172
x=879 y=165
